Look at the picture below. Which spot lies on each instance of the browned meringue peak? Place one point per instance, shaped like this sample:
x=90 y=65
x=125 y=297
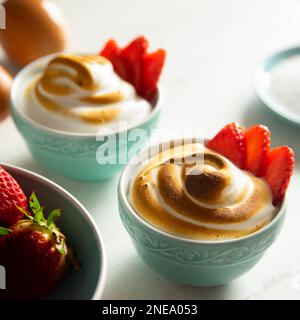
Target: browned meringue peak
x=73 y=77
x=209 y=200
x=206 y=185
x=207 y=181
x=80 y=73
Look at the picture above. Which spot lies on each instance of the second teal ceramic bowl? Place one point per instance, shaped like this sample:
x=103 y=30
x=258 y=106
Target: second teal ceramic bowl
x=193 y=262
x=74 y=155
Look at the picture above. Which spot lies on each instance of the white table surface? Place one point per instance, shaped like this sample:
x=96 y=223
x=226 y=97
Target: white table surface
x=212 y=47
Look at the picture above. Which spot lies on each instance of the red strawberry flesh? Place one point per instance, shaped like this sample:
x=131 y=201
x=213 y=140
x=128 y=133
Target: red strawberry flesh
x=152 y=67
x=134 y=65
x=231 y=143
x=258 y=140
x=112 y=52
x=132 y=57
x=278 y=170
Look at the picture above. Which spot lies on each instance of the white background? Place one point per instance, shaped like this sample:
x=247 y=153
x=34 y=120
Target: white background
x=212 y=47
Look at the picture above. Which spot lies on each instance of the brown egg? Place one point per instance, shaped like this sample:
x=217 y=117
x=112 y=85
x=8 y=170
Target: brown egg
x=34 y=28
x=5 y=84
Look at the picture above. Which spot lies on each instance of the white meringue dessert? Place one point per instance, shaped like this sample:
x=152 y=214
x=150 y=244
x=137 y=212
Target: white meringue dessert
x=208 y=200
x=81 y=94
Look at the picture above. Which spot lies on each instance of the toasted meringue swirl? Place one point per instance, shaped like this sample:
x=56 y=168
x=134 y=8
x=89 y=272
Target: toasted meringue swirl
x=210 y=200
x=74 y=90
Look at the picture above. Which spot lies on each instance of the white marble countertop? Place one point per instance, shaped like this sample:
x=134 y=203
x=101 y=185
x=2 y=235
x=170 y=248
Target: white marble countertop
x=212 y=47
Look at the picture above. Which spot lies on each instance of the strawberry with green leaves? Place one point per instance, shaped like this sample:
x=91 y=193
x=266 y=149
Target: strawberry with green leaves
x=34 y=253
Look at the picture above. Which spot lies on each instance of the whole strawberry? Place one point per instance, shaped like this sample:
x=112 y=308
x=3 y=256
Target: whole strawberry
x=34 y=254
x=11 y=194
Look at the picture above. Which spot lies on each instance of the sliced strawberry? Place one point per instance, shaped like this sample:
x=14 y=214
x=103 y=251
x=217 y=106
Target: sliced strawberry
x=278 y=170
x=132 y=57
x=136 y=66
x=11 y=195
x=231 y=143
x=112 y=52
x=152 y=67
x=258 y=141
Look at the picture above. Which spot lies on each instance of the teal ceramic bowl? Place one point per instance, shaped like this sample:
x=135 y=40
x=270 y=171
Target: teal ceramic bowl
x=74 y=155
x=81 y=232
x=193 y=262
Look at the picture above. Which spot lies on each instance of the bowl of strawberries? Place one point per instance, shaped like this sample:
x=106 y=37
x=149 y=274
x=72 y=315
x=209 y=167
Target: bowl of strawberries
x=50 y=247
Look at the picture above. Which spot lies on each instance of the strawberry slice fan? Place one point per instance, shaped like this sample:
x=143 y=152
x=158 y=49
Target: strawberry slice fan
x=250 y=150
x=137 y=66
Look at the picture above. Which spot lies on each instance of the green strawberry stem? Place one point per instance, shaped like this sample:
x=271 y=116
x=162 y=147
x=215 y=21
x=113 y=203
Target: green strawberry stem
x=4 y=231
x=38 y=217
